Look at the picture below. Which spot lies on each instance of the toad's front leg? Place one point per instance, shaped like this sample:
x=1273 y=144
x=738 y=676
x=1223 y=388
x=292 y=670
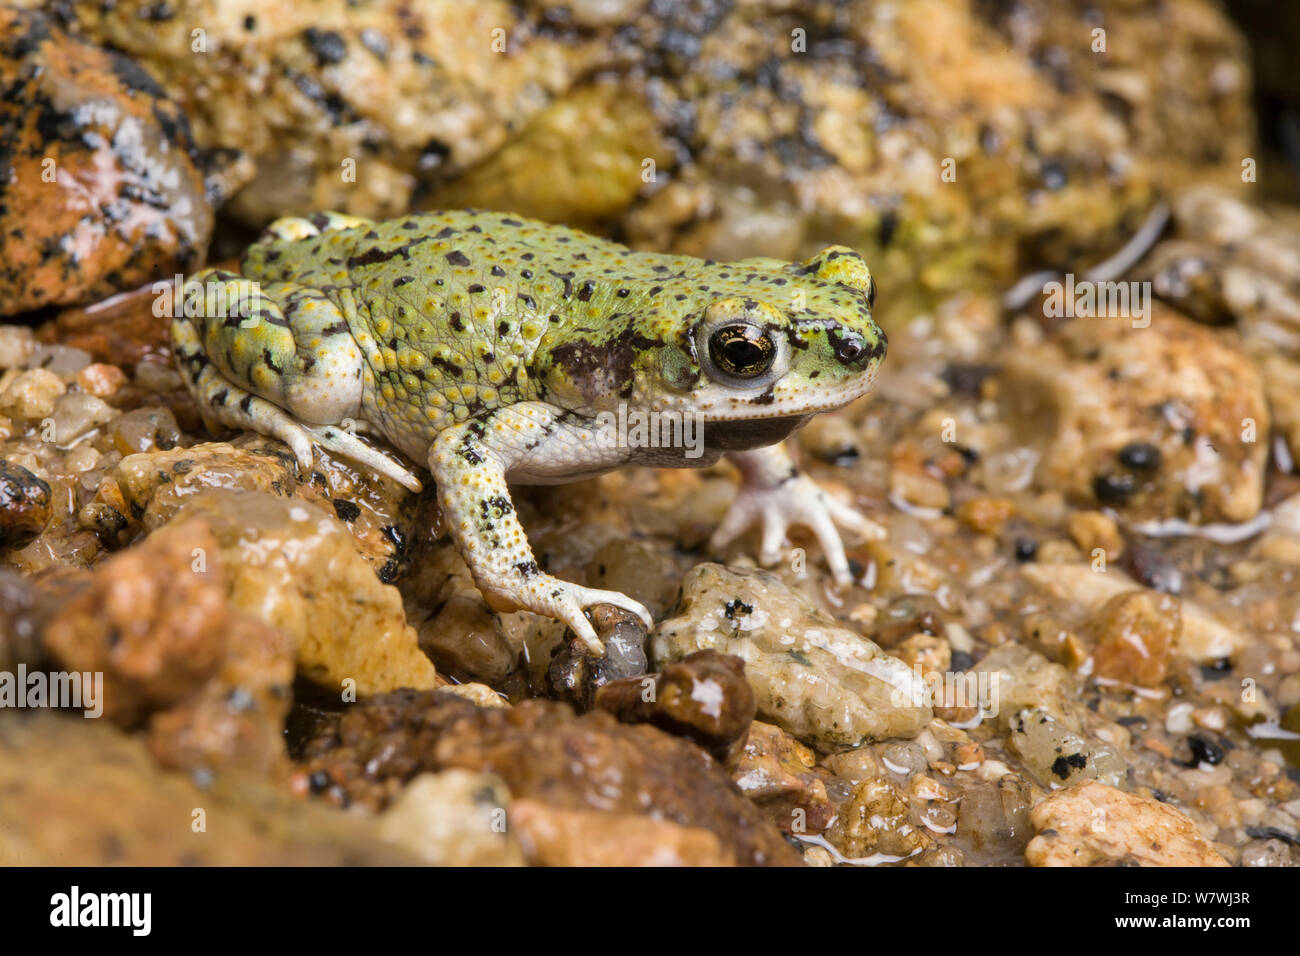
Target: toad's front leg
x=470 y=462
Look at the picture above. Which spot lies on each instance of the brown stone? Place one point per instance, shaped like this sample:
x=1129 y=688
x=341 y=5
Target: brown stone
x=703 y=697
x=211 y=684
x=24 y=505
x=575 y=673
x=778 y=773
x=543 y=752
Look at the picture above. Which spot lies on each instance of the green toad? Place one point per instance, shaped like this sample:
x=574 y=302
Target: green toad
x=495 y=349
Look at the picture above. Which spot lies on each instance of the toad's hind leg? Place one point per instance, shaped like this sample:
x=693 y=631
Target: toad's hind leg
x=278 y=359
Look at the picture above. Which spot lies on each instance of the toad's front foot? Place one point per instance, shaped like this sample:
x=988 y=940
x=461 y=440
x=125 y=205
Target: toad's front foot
x=773 y=493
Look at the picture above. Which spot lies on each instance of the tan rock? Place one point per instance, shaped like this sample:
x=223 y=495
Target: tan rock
x=825 y=684
x=854 y=765
x=926 y=652
x=83 y=793
x=298 y=570
x=1095 y=825
x=31 y=395
x=1098 y=385
x=918 y=488
x=1093 y=530
x=985 y=514
x=876 y=820
x=480 y=694
x=453 y=818
x=1045 y=632
x=17 y=343
x=1020 y=678
x=1204 y=639
x=151 y=487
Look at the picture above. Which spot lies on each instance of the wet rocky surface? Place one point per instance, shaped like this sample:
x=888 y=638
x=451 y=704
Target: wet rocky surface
x=106 y=802
x=949 y=158
x=1093 y=825
x=1086 y=600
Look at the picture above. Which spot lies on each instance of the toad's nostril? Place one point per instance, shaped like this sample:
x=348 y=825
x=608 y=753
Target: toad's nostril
x=850 y=347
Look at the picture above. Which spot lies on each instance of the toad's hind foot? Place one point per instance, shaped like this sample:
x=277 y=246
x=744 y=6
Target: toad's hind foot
x=337 y=439
x=225 y=404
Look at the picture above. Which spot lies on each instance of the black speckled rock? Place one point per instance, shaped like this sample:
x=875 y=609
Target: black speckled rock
x=104 y=187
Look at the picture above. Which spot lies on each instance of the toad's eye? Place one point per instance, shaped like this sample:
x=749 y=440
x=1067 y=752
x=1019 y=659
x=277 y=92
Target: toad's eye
x=742 y=350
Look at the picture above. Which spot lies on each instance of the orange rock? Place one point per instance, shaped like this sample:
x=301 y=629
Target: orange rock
x=1158 y=745
x=212 y=684
x=777 y=772
x=1092 y=530
x=101 y=380
x=552 y=836
x=985 y=515
x=1136 y=635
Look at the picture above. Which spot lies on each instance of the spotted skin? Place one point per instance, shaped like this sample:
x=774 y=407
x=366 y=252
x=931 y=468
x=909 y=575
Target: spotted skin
x=494 y=348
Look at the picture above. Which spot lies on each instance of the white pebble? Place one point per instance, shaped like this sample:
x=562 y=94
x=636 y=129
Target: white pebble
x=1179 y=718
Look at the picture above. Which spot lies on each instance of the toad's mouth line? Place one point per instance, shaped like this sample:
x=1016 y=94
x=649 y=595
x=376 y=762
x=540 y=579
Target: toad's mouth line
x=801 y=406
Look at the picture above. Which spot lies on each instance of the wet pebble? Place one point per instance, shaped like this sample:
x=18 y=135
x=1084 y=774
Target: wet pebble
x=1136 y=634
x=1097 y=825
x=24 y=505
x=575 y=674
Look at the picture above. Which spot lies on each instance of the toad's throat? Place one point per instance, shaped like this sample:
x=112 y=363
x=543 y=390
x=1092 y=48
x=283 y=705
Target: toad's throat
x=744 y=434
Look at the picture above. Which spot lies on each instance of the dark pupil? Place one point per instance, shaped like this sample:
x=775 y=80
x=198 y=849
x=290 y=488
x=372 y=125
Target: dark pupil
x=741 y=350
